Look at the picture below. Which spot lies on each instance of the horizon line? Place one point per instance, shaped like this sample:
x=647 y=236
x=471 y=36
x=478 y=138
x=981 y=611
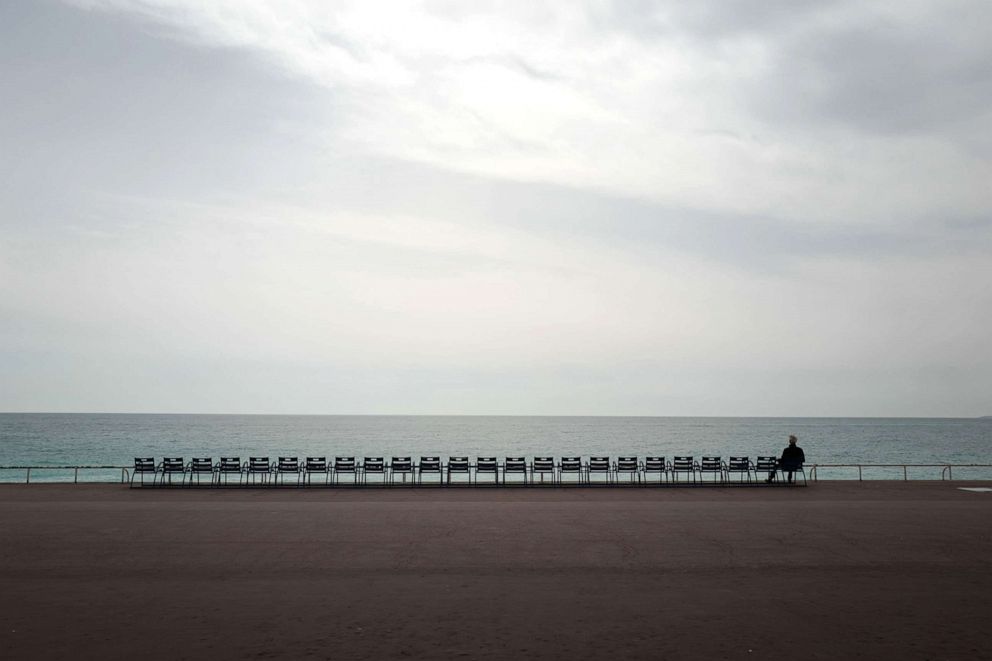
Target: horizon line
x=498 y=415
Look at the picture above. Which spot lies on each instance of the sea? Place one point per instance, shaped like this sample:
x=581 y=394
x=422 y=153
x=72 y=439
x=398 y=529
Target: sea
x=50 y=440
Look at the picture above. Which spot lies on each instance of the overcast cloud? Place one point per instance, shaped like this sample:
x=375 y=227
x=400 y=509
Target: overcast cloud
x=629 y=208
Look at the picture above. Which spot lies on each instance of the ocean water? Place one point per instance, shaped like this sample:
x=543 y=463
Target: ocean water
x=46 y=439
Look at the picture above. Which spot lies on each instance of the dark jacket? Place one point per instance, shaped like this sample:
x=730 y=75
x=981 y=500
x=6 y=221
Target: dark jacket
x=792 y=456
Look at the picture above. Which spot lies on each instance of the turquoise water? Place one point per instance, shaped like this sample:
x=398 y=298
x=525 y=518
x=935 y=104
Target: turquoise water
x=42 y=439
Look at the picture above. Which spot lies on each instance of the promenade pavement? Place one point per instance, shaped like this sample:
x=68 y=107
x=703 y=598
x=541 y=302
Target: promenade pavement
x=837 y=570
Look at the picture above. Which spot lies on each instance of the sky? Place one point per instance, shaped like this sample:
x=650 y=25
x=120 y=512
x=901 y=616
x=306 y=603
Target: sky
x=747 y=207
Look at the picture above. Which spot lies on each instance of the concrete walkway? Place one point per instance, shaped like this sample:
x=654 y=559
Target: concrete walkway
x=838 y=570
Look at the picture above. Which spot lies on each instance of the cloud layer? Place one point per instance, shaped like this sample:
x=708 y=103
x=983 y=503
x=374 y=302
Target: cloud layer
x=630 y=208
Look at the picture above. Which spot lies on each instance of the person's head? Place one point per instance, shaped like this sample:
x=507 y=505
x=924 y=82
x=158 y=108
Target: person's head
x=792 y=439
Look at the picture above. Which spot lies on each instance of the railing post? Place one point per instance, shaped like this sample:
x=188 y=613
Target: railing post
x=75 y=476
x=950 y=474
x=905 y=474
x=27 y=477
x=859 y=473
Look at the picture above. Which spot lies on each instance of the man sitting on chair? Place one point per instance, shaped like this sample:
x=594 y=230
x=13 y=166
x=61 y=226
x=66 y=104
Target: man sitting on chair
x=792 y=459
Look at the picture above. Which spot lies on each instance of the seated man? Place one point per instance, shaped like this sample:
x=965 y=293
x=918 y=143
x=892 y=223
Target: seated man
x=792 y=458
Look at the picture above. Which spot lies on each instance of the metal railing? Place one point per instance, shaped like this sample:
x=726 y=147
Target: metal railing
x=946 y=470
x=125 y=471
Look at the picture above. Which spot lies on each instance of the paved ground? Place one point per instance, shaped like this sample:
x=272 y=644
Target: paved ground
x=834 y=571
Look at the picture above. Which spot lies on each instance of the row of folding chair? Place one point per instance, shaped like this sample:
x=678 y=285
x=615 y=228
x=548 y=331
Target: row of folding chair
x=403 y=470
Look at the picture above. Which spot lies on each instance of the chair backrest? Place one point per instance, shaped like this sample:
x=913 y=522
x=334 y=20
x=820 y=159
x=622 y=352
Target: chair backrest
x=654 y=464
x=316 y=464
x=430 y=465
x=344 y=464
x=515 y=465
x=202 y=465
x=288 y=464
x=230 y=465
x=543 y=464
x=458 y=464
x=374 y=465
x=739 y=464
x=144 y=464
x=599 y=464
x=627 y=464
x=173 y=465
x=258 y=464
x=683 y=463
x=486 y=465
x=766 y=463
x=570 y=464
x=711 y=464
x=401 y=464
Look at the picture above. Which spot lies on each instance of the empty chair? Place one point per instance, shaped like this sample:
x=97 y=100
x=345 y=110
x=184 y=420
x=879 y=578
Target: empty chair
x=655 y=465
x=373 y=466
x=599 y=466
x=200 y=466
x=144 y=466
x=764 y=465
x=431 y=466
x=487 y=466
x=400 y=466
x=287 y=466
x=542 y=466
x=629 y=466
x=316 y=466
x=570 y=466
x=228 y=466
x=741 y=466
x=515 y=466
x=685 y=465
x=173 y=466
x=345 y=466
x=259 y=467
x=458 y=466
x=711 y=466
